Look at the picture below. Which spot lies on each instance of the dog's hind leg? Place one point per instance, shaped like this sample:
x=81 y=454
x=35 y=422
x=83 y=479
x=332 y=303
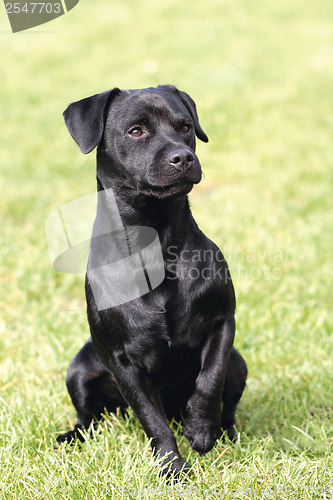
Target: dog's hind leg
x=93 y=390
x=232 y=392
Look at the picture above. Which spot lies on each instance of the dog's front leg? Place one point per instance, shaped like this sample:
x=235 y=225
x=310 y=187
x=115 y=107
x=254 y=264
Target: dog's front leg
x=143 y=397
x=203 y=422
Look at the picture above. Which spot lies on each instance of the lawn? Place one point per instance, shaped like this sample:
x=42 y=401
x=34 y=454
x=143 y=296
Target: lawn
x=261 y=73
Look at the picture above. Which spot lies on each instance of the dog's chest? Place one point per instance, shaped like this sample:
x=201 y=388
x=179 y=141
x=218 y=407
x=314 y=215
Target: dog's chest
x=162 y=340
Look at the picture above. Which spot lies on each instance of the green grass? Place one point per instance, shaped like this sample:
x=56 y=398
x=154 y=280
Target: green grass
x=261 y=74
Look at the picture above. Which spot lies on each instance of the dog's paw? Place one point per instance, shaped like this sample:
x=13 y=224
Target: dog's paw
x=175 y=467
x=170 y=460
x=201 y=435
x=71 y=436
x=230 y=433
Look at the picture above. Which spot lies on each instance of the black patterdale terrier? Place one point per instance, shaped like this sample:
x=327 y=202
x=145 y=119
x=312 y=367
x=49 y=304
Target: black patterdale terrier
x=167 y=353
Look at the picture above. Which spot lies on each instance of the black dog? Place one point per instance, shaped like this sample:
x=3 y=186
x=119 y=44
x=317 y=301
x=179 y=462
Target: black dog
x=166 y=354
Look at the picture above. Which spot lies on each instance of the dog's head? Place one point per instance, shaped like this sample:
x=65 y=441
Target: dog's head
x=145 y=138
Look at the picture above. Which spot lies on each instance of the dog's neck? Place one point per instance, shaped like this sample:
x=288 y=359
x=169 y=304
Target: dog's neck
x=169 y=217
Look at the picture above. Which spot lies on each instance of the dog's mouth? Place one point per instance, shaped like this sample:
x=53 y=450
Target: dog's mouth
x=175 y=189
x=167 y=191
x=161 y=188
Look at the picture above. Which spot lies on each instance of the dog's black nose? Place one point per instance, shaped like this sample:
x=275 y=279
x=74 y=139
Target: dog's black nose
x=181 y=159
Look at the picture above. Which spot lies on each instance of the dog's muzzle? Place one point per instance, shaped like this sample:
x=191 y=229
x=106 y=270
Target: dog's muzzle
x=181 y=159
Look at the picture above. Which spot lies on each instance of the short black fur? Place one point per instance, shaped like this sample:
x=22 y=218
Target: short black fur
x=169 y=353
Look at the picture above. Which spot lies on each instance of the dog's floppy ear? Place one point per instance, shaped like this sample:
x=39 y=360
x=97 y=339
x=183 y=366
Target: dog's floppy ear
x=191 y=108
x=85 y=119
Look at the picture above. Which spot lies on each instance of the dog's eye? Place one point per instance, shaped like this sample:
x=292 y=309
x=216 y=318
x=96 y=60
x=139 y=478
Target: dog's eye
x=135 y=132
x=185 y=129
